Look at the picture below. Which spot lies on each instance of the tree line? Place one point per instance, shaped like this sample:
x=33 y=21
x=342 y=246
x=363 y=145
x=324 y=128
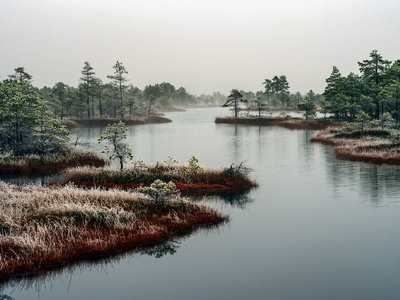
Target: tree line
x=114 y=99
x=30 y=116
x=375 y=92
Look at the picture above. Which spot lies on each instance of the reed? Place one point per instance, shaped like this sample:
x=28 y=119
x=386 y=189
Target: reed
x=43 y=228
x=28 y=164
x=186 y=178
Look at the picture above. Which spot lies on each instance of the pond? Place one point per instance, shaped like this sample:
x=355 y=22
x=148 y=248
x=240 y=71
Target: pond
x=316 y=228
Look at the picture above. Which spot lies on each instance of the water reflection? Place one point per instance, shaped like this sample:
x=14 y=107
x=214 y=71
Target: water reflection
x=374 y=183
x=168 y=248
x=98 y=265
x=66 y=274
x=313 y=229
x=240 y=201
x=305 y=148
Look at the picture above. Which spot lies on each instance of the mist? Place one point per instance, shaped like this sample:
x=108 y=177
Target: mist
x=205 y=47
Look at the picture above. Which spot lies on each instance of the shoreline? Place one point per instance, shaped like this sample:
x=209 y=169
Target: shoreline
x=188 y=181
x=127 y=121
x=289 y=123
x=35 y=164
x=369 y=149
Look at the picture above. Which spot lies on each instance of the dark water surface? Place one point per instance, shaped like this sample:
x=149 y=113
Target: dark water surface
x=317 y=227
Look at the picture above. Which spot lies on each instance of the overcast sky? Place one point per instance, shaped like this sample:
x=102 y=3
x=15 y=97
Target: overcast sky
x=204 y=46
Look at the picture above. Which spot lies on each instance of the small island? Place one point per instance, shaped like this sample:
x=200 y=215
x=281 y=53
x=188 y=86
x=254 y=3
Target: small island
x=44 y=228
x=286 y=122
x=354 y=143
x=189 y=179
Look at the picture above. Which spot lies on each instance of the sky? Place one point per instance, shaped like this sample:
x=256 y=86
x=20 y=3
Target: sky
x=204 y=46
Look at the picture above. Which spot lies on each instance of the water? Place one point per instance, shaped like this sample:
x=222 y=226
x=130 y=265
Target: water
x=317 y=227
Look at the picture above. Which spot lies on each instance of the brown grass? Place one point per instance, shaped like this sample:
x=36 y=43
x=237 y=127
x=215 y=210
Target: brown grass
x=290 y=123
x=368 y=149
x=35 y=164
x=44 y=228
x=187 y=180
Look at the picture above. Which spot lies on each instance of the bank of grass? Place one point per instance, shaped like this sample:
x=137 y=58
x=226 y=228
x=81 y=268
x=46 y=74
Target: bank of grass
x=127 y=121
x=43 y=228
x=189 y=180
x=37 y=164
x=374 y=146
x=290 y=123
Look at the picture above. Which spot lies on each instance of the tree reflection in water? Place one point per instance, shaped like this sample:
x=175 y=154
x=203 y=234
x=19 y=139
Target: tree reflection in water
x=40 y=282
x=375 y=183
x=240 y=201
x=159 y=251
x=5 y=297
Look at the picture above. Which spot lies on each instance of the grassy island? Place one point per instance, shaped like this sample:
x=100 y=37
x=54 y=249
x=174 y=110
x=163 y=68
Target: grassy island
x=126 y=121
x=189 y=179
x=371 y=145
x=290 y=123
x=43 y=164
x=45 y=228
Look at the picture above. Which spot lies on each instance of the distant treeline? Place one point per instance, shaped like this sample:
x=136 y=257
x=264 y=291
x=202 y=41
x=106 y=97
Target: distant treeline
x=375 y=91
x=115 y=98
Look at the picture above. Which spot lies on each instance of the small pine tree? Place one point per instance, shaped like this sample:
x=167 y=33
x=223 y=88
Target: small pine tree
x=362 y=118
x=115 y=134
x=308 y=106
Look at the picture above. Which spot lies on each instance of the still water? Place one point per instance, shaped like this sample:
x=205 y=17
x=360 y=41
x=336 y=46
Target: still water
x=316 y=228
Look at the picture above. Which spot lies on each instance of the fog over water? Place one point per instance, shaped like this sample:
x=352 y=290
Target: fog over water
x=316 y=228
x=204 y=46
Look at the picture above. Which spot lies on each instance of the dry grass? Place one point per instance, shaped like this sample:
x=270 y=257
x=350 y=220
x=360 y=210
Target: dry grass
x=290 y=123
x=44 y=228
x=366 y=148
x=187 y=179
x=43 y=164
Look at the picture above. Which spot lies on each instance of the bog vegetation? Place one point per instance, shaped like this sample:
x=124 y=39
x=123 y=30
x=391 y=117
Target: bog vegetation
x=188 y=178
x=43 y=228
